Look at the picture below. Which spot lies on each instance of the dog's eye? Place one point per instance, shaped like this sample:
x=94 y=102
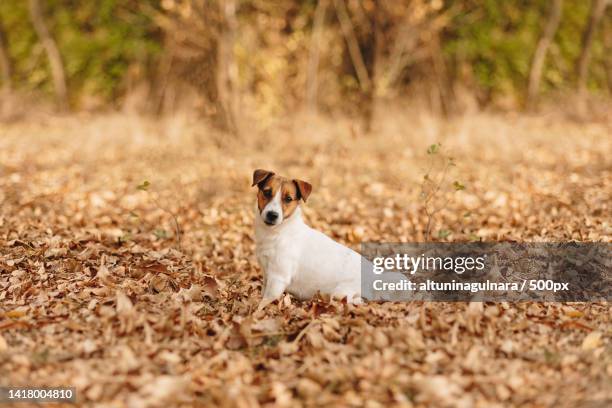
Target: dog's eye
x=288 y=199
x=267 y=193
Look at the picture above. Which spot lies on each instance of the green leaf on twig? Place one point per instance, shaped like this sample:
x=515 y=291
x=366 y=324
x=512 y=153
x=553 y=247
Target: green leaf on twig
x=434 y=148
x=458 y=186
x=161 y=233
x=144 y=186
x=443 y=233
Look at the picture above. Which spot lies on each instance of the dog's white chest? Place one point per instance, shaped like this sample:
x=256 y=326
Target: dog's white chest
x=276 y=256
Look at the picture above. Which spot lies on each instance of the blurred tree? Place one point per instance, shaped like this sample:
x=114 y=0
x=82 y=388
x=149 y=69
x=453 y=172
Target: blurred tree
x=537 y=64
x=607 y=46
x=228 y=69
x=5 y=61
x=362 y=63
x=315 y=53
x=352 y=45
x=53 y=54
x=266 y=58
x=494 y=41
x=100 y=43
x=200 y=38
x=582 y=64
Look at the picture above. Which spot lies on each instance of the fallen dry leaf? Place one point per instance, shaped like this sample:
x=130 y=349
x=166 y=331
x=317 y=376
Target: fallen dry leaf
x=591 y=341
x=16 y=313
x=124 y=304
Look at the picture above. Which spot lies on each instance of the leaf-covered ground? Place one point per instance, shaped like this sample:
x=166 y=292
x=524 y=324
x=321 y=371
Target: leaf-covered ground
x=97 y=293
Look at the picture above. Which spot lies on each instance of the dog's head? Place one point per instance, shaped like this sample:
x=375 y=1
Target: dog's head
x=278 y=197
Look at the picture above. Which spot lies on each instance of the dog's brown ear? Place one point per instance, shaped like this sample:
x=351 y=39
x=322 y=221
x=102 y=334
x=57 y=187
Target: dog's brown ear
x=261 y=175
x=304 y=189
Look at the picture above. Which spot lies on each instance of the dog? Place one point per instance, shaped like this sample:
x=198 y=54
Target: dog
x=294 y=257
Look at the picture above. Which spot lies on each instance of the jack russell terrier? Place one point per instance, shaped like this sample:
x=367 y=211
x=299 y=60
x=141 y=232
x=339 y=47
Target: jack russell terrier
x=294 y=257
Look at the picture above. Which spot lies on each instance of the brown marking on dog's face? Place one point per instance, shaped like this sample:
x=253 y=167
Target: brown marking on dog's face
x=291 y=191
x=267 y=190
x=289 y=197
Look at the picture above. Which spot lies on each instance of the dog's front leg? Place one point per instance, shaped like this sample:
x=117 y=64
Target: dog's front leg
x=273 y=287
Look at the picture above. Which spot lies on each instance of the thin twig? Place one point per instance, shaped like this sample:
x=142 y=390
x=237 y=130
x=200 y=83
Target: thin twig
x=267 y=334
x=439 y=184
x=432 y=194
x=176 y=223
x=303 y=331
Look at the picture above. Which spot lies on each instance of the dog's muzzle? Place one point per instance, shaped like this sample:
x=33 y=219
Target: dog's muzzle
x=271 y=217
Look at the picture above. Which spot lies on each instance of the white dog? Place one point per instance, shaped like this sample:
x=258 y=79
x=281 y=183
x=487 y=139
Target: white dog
x=294 y=257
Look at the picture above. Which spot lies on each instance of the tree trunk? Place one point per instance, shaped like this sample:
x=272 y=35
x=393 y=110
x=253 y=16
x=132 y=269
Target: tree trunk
x=6 y=71
x=55 y=59
x=227 y=80
x=440 y=75
x=353 y=45
x=582 y=65
x=537 y=64
x=372 y=54
x=608 y=51
x=314 y=54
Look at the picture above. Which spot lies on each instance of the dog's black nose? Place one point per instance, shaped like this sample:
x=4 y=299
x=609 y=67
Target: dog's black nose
x=271 y=216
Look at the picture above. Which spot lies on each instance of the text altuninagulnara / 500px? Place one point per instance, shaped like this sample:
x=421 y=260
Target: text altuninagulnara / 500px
x=480 y=271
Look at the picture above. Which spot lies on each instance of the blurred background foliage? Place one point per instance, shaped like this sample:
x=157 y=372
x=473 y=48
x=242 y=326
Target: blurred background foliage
x=497 y=40
x=269 y=57
x=99 y=42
